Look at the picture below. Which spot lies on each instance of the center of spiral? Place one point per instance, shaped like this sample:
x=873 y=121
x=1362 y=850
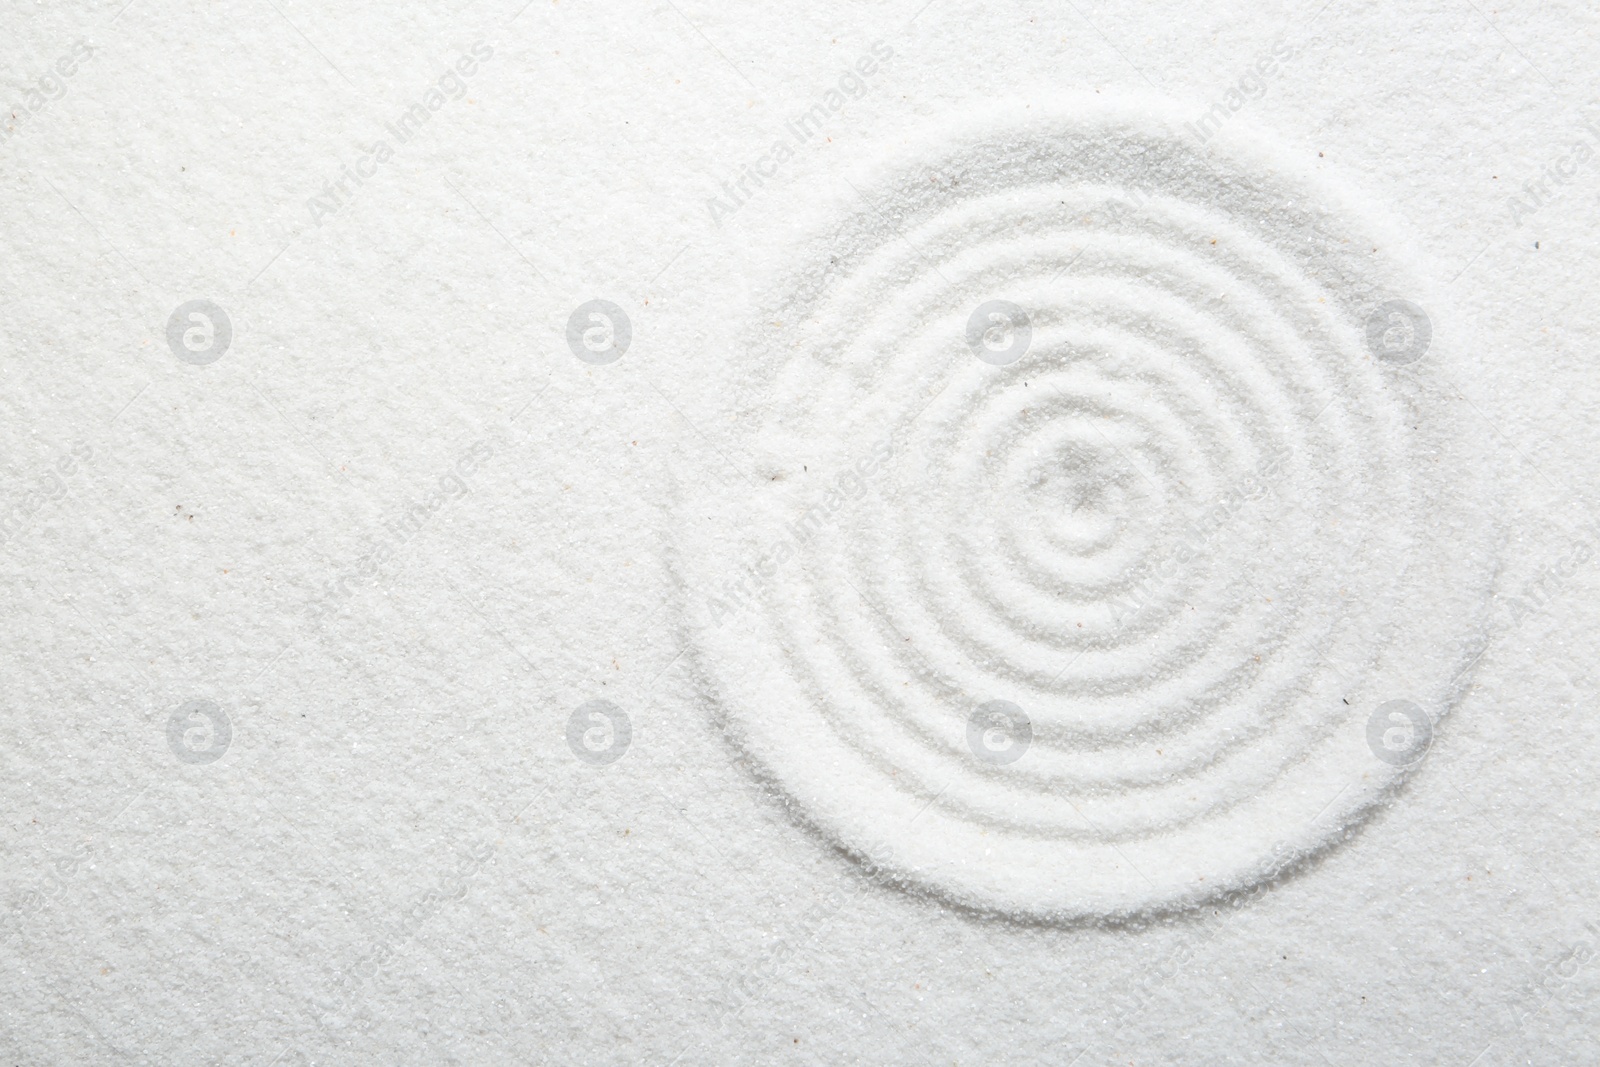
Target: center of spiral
x=1076 y=495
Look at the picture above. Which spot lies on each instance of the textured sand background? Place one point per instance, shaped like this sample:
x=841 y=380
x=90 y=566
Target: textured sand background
x=397 y=533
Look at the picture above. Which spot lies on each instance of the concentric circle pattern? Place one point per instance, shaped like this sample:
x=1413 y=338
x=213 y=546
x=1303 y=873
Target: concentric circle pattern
x=1174 y=518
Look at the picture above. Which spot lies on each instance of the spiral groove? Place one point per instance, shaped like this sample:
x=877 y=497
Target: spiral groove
x=1170 y=511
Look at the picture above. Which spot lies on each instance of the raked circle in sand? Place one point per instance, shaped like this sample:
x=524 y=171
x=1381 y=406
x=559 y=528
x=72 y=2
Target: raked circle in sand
x=1101 y=485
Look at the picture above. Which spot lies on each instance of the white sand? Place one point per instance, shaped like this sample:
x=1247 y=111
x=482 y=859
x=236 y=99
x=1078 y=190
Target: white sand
x=1182 y=675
